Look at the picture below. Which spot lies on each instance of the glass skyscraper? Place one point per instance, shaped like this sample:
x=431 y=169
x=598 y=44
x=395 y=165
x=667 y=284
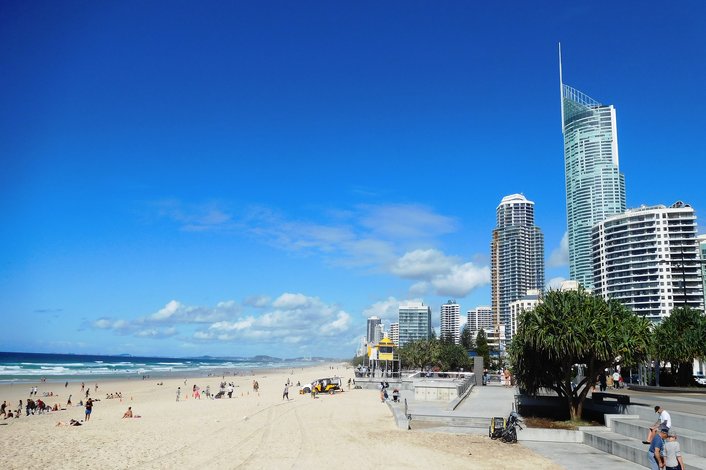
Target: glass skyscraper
x=595 y=188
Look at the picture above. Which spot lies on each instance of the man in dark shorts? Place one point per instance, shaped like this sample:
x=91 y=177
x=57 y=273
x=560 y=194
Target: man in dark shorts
x=89 y=408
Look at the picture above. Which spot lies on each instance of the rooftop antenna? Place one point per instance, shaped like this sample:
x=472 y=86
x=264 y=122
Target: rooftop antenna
x=561 y=91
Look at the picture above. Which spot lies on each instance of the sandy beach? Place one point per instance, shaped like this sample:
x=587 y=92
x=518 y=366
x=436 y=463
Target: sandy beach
x=351 y=429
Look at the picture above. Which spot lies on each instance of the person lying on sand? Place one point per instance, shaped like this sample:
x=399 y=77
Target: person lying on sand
x=73 y=422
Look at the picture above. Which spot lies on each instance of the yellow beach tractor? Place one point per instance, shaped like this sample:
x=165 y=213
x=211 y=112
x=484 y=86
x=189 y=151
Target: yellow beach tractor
x=327 y=385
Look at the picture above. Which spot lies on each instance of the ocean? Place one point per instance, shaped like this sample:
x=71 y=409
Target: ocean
x=32 y=367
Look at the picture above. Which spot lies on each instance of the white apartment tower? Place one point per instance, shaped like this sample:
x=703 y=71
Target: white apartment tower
x=528 y=302
x=395 y=333
x=517 y=256
x=451 y=321
x=648 y=259
x=480 y=318
x=414 y=322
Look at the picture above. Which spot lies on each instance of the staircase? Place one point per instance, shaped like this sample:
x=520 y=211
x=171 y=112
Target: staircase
x=624 y=433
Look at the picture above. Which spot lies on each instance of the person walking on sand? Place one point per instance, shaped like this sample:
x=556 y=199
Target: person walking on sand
x=285 y=393
x=178 y=393
x=89 y=409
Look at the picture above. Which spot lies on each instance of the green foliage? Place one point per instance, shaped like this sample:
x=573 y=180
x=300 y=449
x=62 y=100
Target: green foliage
x=575 y=327
x=447 y=338
x=434 y=353
x=467 y=339
x=679 y=339
x=482 y=348
x=358 y=361
x=418 y=354
x=450 y=356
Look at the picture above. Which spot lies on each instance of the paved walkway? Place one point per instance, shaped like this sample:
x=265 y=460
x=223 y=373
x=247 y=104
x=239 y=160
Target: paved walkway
x=494 y=400
x=694 y=403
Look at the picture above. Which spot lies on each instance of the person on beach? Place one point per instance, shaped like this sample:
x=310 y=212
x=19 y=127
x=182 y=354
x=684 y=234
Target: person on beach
x=178 y=393
x=663 y=420
x=285 y=393
x=68 y=402
x=89 y=409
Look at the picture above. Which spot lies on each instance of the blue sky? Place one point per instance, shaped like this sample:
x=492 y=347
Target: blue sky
x=187 y=178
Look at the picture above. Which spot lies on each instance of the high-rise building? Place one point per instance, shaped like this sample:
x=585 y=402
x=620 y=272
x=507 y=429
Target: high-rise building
x=517 y=256
x=526 y=303
x=414 y=322
x=395 y=333
x=379 y=333
x=595 y=188
x=372 y=334
x=450 y=317
x=648 y=259
x=479 y=318
x=702 y=247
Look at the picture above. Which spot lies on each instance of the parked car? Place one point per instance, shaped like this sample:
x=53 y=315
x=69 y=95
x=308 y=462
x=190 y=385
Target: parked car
x=700 y=379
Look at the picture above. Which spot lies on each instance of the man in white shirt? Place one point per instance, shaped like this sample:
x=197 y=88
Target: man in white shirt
x=664 y=420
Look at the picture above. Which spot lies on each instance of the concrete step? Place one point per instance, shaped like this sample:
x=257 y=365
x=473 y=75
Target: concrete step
x=449 y=421
x=632 y=449
x=679 y=420
x=690 y=441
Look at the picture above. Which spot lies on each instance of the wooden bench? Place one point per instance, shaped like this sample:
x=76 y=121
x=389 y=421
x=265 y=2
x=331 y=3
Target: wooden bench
x=622 y=399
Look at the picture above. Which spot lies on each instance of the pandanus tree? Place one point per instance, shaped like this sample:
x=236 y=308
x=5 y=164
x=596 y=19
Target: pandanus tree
x=679 y=339
x=571 y=328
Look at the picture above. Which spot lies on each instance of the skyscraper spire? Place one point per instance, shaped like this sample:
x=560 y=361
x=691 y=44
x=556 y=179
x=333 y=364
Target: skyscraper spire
x=595 y=188
x=561 y=90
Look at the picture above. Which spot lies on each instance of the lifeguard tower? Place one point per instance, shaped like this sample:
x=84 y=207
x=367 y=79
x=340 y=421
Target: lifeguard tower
x=384 y=359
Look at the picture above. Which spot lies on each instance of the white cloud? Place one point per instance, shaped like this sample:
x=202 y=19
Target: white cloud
x=203 y=217
x=290 y=301
x=433 y=269
x=157 y=332
x=340 y=324
x=461 y=280
x=554 y=283
x=406 y=221
x=119 y=326
x=560 y=255
x=168 y=311
x=422 y=264
x=257 y=301
x=367 y=235
x=419 y=289
x=233 y=326
x=385 y=309
x=292 y=319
